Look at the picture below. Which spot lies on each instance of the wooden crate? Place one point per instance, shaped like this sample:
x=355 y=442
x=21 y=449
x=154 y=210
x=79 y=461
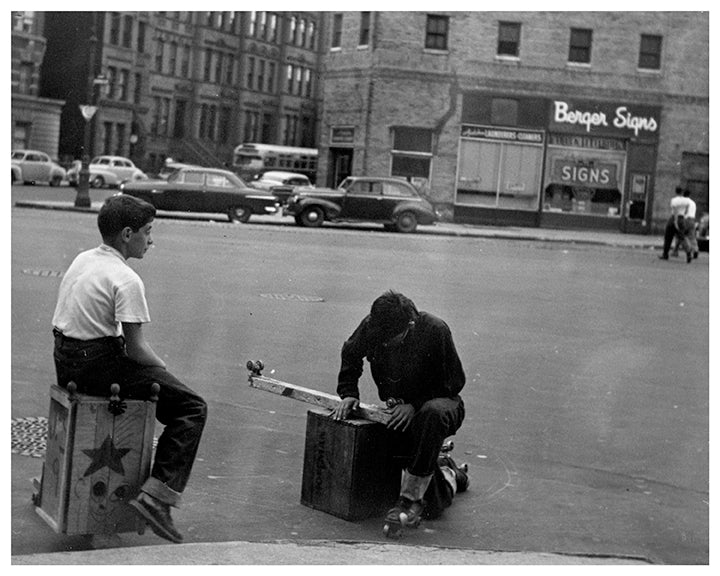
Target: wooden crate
x=94 y=463
x=348 y=470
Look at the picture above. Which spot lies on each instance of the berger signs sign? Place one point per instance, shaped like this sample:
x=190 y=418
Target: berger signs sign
x=603 y=118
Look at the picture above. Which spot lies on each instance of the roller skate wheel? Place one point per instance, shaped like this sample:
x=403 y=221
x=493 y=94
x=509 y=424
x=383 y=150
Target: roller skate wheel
x=464 y=467
x=403 y=517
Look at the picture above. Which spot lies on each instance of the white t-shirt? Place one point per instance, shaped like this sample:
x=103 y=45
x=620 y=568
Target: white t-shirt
x=692 y=208
x=97 y=293
x=679 y=205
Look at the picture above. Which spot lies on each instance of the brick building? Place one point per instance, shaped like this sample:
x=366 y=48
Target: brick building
x=187 y=85
x=554 y=119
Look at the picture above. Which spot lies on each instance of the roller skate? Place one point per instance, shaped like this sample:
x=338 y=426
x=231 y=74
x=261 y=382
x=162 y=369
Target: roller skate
x=448 y=465
x=405 y=514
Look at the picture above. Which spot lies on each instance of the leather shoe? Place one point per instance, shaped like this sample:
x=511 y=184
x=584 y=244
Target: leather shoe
x=157 y=515
x=663 y=257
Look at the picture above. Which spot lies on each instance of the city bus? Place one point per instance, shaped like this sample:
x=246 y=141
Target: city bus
x=250 y=160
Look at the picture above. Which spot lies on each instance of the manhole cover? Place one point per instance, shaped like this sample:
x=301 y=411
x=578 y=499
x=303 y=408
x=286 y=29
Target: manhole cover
x=296 y=297
x=47 y=273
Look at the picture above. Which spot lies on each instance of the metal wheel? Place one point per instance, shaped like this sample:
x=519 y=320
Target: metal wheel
x=406 y=222
x=239 y=214
x=312 y=217
x=97 y=182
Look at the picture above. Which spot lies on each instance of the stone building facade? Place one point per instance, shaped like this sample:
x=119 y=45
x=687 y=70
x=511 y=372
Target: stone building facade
x=35 y=121
x=555 y=119
x=186 y=85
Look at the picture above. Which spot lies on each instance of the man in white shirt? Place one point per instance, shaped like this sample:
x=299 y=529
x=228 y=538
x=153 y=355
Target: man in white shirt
x=690 y=225
x=679 y=206
x=99 y=341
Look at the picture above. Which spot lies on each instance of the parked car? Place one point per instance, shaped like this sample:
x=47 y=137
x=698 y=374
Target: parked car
x=108 y=171
x=31 y=166
x=197 y=189
x=281 y=184
x=390 y=201
x=703 y=233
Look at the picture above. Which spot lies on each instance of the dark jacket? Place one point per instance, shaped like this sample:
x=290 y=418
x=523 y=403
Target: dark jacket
x=424 y=365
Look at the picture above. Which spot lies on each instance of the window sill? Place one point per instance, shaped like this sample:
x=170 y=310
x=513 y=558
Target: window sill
x=436 y=51
x=579 y=66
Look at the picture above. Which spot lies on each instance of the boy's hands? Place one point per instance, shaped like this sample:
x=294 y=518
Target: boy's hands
x=400 y=416
x=346 y=407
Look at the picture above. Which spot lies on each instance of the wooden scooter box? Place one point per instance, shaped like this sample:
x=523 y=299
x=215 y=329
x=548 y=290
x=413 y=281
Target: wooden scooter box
x=94 y=463
x=348 y=470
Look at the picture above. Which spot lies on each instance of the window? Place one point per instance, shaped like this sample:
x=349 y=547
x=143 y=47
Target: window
x=127 y=31
x=185 y=64
x=272 y=28
x=292 y=33
x=208 y=65
x=141 y=37
x=137 y=97
x=261 y=75
x=508 y=39
x=253 y=23
x=580 y=45
x=364 y=29
x=290 y=77
x=26 y=77
x=411 y=152
x=159 y=55
x=219 y=59
x=436 y=32
x=230 y=71
x=302 y=33
x=173 y=58
x=123 y=81
x=311 y=35
x=23 y=21
x=112 y=82
x=249 y=83
x=308 y=83
x=336 y=31
x=650 y=51
x=271 y=78
x=115 y=28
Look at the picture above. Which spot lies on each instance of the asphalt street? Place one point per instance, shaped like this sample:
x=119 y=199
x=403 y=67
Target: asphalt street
x=587 y=362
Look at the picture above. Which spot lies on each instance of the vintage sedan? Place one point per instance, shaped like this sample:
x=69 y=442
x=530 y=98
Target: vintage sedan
x=393 y=202
x=211 y=190
x=281 y=184
x=31 y=166
x=108 y=171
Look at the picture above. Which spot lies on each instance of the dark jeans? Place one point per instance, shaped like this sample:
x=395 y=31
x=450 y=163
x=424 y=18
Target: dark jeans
x=671 y=231
x=93 y=365
x=420 y=445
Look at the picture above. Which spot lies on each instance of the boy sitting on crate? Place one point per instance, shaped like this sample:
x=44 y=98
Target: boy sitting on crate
x=99 y=341
x=419 y=375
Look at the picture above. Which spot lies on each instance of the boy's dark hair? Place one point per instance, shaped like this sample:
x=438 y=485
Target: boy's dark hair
x=391 y=312
x=120 y=211
x=686 y=192
x=679 y=190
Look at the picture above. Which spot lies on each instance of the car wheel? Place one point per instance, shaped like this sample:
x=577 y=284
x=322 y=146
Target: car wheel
x=56 y=181
x=239 y=214
x=406 y=222
x=312 y=217
x=97 y=182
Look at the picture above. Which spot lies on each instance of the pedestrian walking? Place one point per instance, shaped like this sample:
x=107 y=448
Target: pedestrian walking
x=675 y=225
x=690 y=228
x=419 y=375
x=99 y=341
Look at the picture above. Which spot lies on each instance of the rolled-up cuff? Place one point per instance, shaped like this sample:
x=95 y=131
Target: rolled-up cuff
x=161 y=491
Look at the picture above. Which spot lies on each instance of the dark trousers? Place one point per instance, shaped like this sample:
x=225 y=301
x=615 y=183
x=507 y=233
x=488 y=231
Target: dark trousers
x=671 y=231
x=93 y=365
x=420 y=445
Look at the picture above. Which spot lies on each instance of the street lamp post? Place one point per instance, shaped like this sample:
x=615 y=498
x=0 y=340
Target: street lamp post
x=82 y=198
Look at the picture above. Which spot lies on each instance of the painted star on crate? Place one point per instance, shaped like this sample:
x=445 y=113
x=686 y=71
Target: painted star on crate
x=107 y=455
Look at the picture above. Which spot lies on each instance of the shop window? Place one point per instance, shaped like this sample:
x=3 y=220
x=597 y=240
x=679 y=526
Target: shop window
x=508 y=39
x=411 y=153
x=499 y=175
x=650 y=51
x=580 y=45
x=436 y=32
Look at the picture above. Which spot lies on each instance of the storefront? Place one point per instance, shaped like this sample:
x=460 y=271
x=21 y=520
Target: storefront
x=556 y=163
x=599 y=164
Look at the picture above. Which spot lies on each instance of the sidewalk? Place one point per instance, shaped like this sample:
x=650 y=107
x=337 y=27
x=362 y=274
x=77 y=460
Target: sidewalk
x=308 y=553
x=585 y=237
